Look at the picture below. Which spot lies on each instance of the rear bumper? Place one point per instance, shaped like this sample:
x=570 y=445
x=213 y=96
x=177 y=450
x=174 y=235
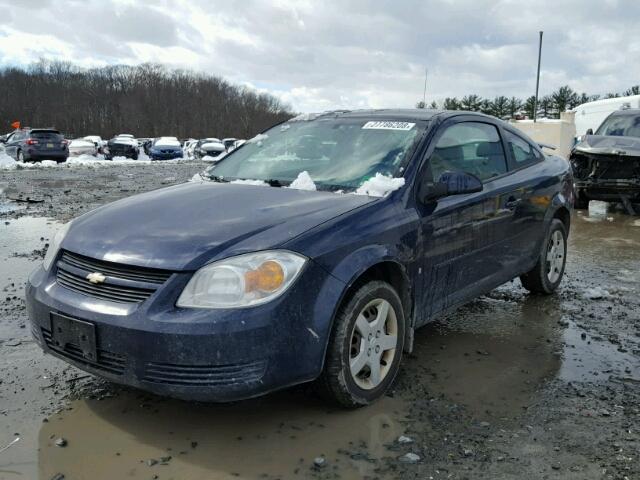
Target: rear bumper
x=58 y=156
x=193 y=354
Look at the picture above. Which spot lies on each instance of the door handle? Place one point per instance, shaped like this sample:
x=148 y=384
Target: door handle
x=512 y=203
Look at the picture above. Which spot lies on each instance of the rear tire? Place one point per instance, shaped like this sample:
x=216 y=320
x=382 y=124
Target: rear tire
x=546 y=276
x=581 y=202
x=365 y=347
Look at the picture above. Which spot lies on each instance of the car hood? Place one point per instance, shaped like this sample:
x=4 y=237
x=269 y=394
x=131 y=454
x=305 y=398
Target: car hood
x=186 y=226
x=609 y=145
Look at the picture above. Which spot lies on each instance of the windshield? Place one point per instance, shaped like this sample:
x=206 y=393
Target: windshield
x=621 y=126
x=338 y=153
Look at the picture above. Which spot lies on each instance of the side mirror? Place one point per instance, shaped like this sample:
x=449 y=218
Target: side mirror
x=450 y=183
x=590 y=131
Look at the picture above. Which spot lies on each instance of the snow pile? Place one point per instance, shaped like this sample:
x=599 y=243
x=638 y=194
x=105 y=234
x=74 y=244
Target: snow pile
x=259 y=183
x=596 y=293
x=380 y=186
x=636 y=223
x=6 y=162
x=303 y=182
x=198 y=178
x=258 y=139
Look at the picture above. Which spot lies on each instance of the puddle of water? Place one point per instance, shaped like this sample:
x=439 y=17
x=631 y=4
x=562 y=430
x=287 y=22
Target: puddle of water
x=593 y=360
x=277 y=436
x=491 y=356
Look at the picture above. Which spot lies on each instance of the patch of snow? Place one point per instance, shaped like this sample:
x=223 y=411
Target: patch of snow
x=303 y=182
x=258 y=139
x=48 y=163
x=6 y=162
x=409 y=458
x=198 y=178
x=596 y=293
x=258 y=183
x=636 y=223
x=380 y=186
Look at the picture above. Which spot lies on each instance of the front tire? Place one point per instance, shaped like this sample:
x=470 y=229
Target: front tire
x=365 y=347
x=546 y=276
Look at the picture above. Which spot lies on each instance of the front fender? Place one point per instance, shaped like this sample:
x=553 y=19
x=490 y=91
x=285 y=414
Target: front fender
x=354 y=265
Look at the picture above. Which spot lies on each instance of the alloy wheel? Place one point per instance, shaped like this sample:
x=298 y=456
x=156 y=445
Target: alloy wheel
x=373 y=344
x=555 y=256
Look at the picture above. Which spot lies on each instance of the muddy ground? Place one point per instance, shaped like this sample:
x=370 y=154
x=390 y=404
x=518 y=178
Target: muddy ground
x=511 y=386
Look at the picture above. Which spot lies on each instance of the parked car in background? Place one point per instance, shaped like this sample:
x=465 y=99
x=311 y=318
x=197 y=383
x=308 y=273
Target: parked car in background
x=122 y=146
x=209 y=147
x=188 y=148
x=280 y=286
x=606 y=165
x=97 y=141
x=165 y=148
x=36 y=144
x=80 y=146
x=590 y=115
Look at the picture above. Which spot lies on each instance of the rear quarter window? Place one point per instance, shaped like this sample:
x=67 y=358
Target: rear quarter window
x=522 y=151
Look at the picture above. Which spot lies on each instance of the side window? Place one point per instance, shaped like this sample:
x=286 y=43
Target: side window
x=471 y=147
x=523 y=152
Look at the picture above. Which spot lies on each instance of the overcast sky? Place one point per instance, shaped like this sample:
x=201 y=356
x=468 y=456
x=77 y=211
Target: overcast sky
x=325 y=54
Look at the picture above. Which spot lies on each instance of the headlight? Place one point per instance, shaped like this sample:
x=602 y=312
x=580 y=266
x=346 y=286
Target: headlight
x=242 y=281
x=54 y=246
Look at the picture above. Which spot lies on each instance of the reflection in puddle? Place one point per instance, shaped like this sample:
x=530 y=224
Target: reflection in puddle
x=492 y=355
x=590 y=360
x=274 y=436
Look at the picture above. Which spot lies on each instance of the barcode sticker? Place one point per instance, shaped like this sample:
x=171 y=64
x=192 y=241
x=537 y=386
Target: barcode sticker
x=388 y=126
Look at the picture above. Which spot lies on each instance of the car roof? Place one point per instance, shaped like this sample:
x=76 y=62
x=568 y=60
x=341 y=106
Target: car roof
x=626 y=111
x=399 y=113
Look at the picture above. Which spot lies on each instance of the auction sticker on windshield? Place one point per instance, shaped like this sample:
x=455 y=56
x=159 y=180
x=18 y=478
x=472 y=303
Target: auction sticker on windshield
x=388 y=126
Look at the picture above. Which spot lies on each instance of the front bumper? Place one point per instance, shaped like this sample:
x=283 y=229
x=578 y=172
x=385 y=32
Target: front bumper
x=609 y=190
x=194 y=354
x=164 y=156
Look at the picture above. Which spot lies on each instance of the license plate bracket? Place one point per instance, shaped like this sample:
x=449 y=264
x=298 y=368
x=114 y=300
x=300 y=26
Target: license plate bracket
x=81 y=334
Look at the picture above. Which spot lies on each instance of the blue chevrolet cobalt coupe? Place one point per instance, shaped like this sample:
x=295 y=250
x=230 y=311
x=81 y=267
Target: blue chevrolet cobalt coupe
x=311 y=253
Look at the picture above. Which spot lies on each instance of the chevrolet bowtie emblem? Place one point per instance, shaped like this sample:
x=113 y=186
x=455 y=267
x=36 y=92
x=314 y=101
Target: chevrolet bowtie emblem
x=96 y=277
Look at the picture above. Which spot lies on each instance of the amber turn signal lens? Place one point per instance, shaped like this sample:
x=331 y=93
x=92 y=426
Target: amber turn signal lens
x=268 y=277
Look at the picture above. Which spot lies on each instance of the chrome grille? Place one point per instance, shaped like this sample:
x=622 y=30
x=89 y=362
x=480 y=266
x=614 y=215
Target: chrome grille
x=123 y=283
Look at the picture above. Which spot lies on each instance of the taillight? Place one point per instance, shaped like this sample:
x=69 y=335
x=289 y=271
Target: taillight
x=64 y=143
x=31 y=141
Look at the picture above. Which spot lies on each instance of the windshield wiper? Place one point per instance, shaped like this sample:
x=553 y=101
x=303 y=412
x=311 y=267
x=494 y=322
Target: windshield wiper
x=274 y=182
x=215 y=178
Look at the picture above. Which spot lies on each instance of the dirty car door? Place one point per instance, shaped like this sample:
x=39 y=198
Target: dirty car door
x=459 y=231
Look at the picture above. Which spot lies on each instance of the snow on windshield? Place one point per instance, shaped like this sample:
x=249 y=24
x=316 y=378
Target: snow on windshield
x=259 y=183
x=379 y=186
x=303 y=182
x=258 y=139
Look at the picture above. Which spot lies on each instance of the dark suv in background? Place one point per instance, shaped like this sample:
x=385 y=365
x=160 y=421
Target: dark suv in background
x=35 y=144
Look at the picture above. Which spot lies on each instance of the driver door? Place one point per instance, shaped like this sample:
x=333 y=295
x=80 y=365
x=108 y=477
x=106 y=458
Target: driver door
x=461 y=232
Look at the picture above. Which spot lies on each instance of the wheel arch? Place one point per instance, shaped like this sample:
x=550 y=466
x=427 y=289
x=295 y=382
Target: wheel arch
x=386 y=268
